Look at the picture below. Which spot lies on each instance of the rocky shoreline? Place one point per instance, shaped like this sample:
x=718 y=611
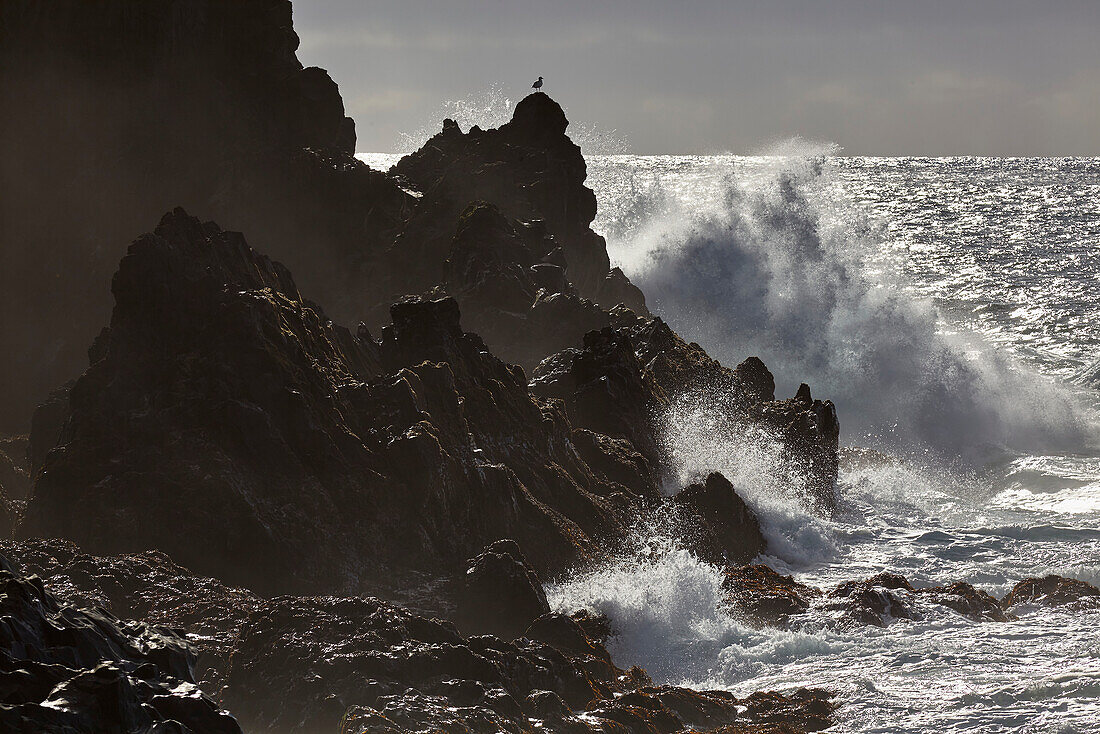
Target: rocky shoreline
x=250 y=511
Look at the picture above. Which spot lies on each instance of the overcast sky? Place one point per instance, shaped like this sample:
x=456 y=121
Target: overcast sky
x=919 y=77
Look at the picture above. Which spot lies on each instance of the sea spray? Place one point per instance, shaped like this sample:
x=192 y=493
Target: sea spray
x=934 y=521
x=776 y=263
x=666 y=609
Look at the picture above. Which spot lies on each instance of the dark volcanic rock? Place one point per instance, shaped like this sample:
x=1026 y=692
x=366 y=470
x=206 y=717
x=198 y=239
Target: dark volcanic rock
x=810 y=433
x=146 y=587
x=762 y=596
x=625 y=379
x=871 y=601
x=725 y=529
x=70 y=670
x=522 y=307
x=264 y=445
x=1051 y=591
x=500 y=594
x=605 y=389
x=531 y=171
x=968 y=601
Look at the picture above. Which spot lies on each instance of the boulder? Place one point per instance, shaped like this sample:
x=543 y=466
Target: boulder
x=762 y=596
x=721 y=527
x=73 y=670
x=967 y=600
x=872 y=601
x=1051 y=591
x=500 y=594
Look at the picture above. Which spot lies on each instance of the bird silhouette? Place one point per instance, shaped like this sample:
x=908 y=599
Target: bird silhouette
x=537 y=86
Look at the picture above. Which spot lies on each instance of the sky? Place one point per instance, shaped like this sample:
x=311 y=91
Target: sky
x=927 y=77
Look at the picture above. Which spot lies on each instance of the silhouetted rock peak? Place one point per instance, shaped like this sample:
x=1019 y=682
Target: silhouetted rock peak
x=538 y=117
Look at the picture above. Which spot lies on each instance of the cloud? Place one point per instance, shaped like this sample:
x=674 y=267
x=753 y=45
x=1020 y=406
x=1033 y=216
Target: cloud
x=882 y=77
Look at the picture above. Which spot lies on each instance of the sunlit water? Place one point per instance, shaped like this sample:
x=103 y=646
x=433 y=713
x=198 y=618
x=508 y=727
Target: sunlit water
x=950 y=308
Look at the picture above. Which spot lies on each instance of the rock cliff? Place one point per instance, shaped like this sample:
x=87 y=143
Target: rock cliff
x=225 y=420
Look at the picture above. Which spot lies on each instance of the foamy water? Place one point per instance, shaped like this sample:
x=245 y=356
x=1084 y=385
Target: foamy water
x=949 y=307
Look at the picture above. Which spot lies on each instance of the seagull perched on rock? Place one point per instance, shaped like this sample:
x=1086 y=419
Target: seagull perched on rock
x=537 y=85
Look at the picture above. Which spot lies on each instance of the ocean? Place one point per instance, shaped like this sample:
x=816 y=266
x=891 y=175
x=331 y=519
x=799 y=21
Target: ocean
x=949 y=307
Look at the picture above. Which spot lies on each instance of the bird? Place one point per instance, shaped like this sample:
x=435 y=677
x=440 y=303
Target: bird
x=537 y=85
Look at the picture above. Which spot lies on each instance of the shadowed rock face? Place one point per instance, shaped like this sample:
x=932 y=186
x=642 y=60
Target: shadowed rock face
x=260 y=443
x=721 y=527
x=84 y=671
x=531 y=171
x=114 y=113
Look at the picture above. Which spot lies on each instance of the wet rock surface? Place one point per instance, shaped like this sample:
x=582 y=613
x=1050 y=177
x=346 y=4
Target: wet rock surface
x=626 y=376
x=1051 y=591
x=82 y=670
x=147 y=587
x=764 y=597
x=301 y=663
x=721 y=527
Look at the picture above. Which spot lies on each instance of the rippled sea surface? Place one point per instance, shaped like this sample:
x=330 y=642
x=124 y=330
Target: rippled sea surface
x=950 y=308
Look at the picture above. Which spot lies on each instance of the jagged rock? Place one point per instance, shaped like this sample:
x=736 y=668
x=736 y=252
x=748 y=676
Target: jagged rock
x=70 y=670
x=500 y=594
x=870 y=602
x=810 y=432
x=618 y=462
x=762 y=596
x=523 y=308
x=146 y=587
x=303 y=664
x=628 y=374
x=15 y=478
x=722 y=528
x=968 y=601
x=605 y=389
x=272 y=449
x=531 y=171
x=1051 y=591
